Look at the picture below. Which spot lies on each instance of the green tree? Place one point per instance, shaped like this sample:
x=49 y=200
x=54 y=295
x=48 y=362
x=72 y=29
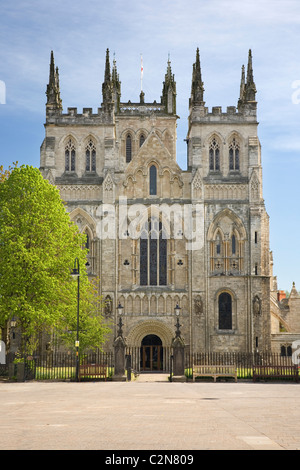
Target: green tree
x=38 y=247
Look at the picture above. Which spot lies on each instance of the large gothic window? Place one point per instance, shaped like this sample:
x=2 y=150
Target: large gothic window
x=90 y=157
x=153 y=254
x=214 y=155
x=153 y=180
x=225 y=311
x=128 y=148
x=70 y=154
x=234 y=155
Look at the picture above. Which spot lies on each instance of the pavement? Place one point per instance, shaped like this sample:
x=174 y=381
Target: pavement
x=151 y=414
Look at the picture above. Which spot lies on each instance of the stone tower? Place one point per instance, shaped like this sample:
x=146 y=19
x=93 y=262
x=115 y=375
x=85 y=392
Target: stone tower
x=231 y=268
x=158 y=236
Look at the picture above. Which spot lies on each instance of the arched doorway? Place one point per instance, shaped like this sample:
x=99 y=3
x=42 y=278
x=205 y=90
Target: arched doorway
x=151 y=354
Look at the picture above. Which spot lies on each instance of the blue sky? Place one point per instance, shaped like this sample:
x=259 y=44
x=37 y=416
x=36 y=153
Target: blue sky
x=224 y=30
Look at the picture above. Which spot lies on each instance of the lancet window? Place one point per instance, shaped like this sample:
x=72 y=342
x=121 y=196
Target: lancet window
x=225 y=311
x=128 y=148
x=142 y=139
x=90 y=156
x=153 y=254
x=214 y=155
x=234 y=155
x=226 y=253
x=153 y=180
x=70 y=156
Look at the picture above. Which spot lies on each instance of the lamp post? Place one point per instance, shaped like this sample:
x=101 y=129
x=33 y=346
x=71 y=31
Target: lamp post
x=177 y=313
x=120 y=311
x=119 y=346
x=178 y=351
x=76 y=274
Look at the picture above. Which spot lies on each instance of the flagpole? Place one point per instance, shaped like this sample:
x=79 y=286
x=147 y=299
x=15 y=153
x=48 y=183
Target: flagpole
x=142 y=71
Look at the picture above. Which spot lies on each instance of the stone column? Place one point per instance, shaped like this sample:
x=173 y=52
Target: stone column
x=178 y=360
x=119 y=347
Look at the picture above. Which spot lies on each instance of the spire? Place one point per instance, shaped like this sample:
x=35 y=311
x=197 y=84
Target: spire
x=250 y=88
x=54 y=103
x=168 y=98
x=247 y=88
x=197 y=90
x=242 y=87
x=116 y=84
x=107 y=86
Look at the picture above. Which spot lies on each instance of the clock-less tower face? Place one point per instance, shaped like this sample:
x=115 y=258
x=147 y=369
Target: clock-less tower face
x=159 y=235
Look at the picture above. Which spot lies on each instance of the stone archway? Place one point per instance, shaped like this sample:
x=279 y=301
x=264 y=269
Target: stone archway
x=149 y=344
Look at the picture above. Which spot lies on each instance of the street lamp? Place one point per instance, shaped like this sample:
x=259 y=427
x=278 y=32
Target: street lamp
x=177 y=313
x=76 y=274
x=120 y=312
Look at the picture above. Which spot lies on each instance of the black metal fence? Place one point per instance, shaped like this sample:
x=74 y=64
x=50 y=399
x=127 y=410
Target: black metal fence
x=53 y=366
x=244 y=362
x=62 y=366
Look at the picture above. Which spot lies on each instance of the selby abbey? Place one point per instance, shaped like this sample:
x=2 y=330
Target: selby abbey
x=160 y=237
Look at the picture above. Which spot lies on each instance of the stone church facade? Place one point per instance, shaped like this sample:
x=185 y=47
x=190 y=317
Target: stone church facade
x=159 y=236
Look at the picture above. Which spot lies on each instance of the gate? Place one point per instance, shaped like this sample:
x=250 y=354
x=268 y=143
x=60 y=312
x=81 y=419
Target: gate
x=155 y=358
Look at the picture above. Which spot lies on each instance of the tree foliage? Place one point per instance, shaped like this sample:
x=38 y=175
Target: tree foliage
x=38 y=247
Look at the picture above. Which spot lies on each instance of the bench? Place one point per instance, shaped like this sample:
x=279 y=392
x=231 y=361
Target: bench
x=214 y=371
x=93 y=371
x=275 y=371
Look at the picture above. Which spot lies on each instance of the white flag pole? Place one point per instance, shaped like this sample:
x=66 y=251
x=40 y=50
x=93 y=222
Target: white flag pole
x=142 y=71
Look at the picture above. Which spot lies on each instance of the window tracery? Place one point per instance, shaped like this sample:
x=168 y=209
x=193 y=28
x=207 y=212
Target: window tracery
x=214 y=155
x=234 y=155
x=153 y=254
x=70 y=155
x=90 y=156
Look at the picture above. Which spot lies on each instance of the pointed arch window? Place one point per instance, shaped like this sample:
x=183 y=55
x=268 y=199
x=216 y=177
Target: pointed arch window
x=234 y=155
x=214 y=155
x=233 y=244
x=87 y=241
x=70 y=156
x=153 y=180
x=90 y=156
x=226 y=252
x=225 y=311
x=128 y=148
x=142 y=139
x=153 y=254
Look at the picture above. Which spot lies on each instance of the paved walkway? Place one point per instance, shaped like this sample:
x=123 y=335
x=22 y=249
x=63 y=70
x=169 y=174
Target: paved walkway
x=149 y=415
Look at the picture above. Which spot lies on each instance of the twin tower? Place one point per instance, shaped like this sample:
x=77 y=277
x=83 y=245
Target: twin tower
x=159 y=236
